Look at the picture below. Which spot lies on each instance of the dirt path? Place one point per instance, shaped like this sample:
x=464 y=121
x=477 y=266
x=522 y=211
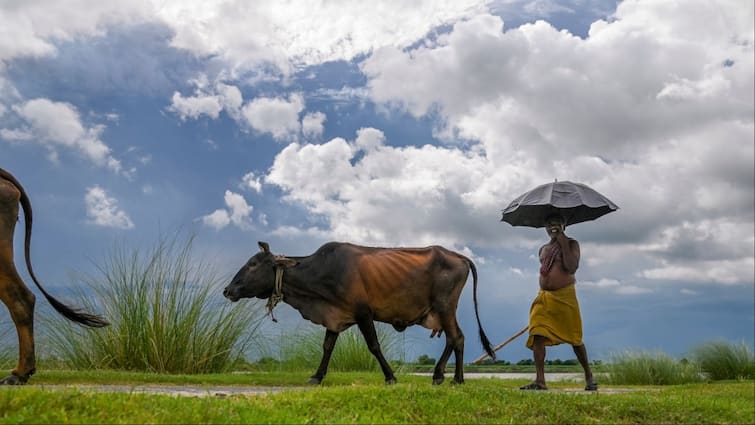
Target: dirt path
x=554 y=376
x=182 y=390
x=262 y=391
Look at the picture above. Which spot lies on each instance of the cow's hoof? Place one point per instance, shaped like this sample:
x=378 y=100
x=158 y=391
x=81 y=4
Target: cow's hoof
x=437 y=381
x=314 y=381
x=390 y=381
x=12 y=380
x=457 y=382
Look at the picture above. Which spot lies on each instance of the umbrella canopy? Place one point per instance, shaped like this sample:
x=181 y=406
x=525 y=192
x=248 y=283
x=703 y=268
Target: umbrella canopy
x=575 y=202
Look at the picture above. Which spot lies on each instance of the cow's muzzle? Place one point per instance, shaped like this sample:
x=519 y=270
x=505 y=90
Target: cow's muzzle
x=232 y=295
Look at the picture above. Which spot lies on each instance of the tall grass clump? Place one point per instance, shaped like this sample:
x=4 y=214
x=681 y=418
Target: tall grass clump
x=6 y=348
x=166 y=315
x=303 y=349
x=644 y=368
x=721 y=360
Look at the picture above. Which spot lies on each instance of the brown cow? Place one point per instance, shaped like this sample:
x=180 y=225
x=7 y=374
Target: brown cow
x=343 y=284
x=13 y=292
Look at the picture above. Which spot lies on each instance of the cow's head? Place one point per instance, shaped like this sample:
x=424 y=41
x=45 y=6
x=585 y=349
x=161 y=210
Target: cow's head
x=257 y=277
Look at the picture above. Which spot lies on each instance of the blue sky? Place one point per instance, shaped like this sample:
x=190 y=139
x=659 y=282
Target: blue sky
x=401 y=124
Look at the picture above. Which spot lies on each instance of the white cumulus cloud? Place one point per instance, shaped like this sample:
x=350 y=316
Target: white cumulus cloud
x=432 y=189
x=289 y=35
x=312 y=125
x=35 y=27
x=277 y=116
x=209 y=102
x=252 y=181
x=218 y=219
x=103 y=210
x=654 y=109
x=195 y=106
x=237 y=212
x=58 y=125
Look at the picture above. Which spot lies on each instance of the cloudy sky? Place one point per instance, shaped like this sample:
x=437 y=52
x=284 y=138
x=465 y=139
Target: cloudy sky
x=401 y=123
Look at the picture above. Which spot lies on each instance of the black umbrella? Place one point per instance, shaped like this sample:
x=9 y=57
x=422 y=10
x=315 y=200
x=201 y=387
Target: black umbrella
x=575 y=202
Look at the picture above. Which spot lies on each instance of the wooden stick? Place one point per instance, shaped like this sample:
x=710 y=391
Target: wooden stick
x=499 y=346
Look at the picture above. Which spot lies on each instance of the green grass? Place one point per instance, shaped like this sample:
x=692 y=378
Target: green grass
x=166 y=316
x=363 y=398
x=722 y=360
x=302 y=350
x=8 y=352
x=643 y=368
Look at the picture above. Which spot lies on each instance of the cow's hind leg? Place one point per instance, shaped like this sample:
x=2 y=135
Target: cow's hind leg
x=458 y=346
x=455 y=343
x=367 y=326
x=20 y=302
x=327 y=351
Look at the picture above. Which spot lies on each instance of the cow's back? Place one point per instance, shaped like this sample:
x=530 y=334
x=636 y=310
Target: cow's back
x=403 y=285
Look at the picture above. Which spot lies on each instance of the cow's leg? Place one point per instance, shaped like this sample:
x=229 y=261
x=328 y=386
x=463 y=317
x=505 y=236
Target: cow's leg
x=455 y=343
x=327 y=351
x=440 y=367
x=20 y=302
x=458 y=345
x=367 y=326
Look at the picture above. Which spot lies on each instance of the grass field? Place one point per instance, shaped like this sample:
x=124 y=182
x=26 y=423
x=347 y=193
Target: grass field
x=363 y=398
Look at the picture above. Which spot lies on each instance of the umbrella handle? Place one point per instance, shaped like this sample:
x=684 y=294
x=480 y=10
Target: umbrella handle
x=501 y=345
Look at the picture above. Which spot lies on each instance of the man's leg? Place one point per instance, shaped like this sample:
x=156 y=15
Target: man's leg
x=538 y=352
x=539 y=356
x=581 y=352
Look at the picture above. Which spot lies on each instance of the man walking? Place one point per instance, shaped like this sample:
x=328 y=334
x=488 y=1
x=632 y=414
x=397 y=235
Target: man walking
x=554 y=315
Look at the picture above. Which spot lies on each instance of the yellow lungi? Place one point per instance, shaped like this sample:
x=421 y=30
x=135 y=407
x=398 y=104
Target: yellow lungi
x=555 y=315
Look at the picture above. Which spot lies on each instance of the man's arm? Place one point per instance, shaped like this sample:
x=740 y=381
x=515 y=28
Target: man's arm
x=570 y=253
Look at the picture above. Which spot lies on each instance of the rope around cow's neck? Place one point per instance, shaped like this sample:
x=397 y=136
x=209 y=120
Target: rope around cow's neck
x=277 y=295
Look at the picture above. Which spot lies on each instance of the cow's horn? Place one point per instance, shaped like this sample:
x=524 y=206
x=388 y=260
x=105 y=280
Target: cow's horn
x=264 y=247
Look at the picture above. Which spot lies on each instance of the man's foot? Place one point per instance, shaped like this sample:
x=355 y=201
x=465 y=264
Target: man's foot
x=591 y=386
x=534 y=386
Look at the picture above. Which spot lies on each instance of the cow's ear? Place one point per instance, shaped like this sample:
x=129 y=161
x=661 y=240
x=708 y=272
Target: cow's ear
x=285 y=262
x=264 y=247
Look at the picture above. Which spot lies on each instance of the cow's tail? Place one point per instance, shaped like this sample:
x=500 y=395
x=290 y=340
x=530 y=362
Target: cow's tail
x=483 y=338
x=69 y=313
